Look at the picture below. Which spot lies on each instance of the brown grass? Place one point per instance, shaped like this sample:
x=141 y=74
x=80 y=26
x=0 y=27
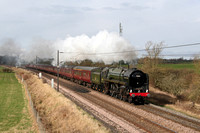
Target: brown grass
x=194 y=91
x=186 y=108
x=180 y=85
x=58 y=113
x=176 y=82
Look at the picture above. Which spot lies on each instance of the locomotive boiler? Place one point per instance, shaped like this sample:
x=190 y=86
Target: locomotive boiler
x=130 y=85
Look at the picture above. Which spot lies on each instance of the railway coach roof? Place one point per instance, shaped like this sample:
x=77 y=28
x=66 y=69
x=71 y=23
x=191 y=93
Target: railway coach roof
x=46 y=65
x=84 y=68
x=66 y=66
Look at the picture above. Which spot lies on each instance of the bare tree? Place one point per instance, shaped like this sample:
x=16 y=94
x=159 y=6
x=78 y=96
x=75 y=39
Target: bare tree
x=197 y=63
x=153 y=53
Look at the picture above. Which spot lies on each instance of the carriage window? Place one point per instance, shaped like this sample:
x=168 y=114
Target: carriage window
x=84 y=74
x=87 y=74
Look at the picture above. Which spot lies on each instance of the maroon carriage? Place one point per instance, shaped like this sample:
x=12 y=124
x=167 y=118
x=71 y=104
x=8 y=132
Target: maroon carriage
x=82 y=74
x=67 y=72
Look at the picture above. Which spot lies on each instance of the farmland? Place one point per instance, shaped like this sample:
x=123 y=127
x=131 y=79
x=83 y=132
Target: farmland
x=189 y=66
x=178 y=66
x=14 y=114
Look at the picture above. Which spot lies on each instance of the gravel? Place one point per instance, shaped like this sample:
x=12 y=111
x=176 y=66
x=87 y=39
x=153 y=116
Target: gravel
x=120 y=123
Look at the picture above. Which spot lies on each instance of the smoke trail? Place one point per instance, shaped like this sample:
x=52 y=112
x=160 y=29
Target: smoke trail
x=103 y=42
x=10 y=52
x=10 y=48
x=41 y=48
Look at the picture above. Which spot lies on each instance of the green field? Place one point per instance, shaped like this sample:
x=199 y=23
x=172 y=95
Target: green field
x=178 y=66
x=174 y=66
x=1 y=68
x=14 y=115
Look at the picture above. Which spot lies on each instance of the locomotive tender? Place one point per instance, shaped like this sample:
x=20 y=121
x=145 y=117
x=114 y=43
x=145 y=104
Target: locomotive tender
x=130 y=85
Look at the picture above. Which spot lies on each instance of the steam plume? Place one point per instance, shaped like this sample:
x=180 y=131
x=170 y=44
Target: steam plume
x=10 y=52
x=41 y=48
x=104 y=44
x=10 y=48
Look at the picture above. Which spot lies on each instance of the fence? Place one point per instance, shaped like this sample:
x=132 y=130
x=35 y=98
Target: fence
x=36 y=114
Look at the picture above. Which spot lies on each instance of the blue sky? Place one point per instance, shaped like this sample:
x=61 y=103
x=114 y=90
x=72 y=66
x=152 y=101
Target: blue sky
x=172 y=21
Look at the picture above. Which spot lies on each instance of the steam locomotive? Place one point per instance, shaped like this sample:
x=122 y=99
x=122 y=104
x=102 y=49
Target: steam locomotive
x=130 y=85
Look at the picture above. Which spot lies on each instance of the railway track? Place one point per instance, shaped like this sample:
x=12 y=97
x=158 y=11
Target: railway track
x=147 y=118
x=187 y=122
x=129 y=116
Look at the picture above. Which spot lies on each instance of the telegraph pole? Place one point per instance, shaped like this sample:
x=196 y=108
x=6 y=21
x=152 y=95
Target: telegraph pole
x=58 y=70
x=120 y=29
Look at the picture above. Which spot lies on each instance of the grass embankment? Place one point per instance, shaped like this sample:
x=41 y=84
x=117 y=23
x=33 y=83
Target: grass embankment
x=183 y=83
x=58 y=113
x=14 y=114
x=179 y=80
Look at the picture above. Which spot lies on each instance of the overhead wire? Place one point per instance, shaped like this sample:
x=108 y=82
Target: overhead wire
x=177 y=54
x=122 y=52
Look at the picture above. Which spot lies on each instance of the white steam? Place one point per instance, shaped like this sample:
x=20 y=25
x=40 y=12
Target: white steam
x=104 y=46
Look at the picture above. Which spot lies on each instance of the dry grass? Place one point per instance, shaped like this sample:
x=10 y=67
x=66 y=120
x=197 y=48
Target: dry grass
x=58 y=113
x=186 y=108
x=194 y=91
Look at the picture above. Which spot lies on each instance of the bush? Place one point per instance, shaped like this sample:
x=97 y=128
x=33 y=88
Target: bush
x=184 y=84
x=172 y=84
x=7 y=70
x=170 y=80
x=194 y=94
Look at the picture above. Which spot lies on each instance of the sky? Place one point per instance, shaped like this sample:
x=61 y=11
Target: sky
x=175 y=22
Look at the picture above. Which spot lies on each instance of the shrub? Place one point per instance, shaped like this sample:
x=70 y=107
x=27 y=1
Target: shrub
x=7 y=70
x=170 y=80
x=172 y=84
x=194 y=95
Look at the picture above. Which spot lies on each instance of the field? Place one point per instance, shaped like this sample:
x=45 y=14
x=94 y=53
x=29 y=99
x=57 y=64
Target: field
x=14 y=115
x=178 y=66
